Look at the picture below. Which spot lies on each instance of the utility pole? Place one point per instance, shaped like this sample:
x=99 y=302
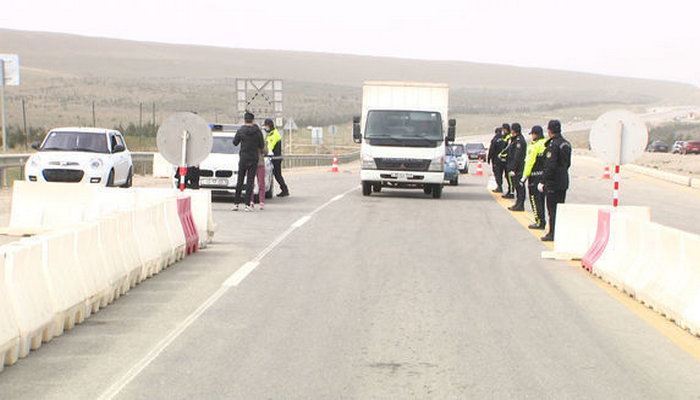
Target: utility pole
x=24 y=120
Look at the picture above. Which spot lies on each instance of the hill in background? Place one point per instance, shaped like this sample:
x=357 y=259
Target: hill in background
x=62 y=75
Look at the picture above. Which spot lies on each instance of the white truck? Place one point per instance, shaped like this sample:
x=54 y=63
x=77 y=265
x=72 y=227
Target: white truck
x=403 y=130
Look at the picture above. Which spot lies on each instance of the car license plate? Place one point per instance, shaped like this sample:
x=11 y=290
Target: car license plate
x=213 y=181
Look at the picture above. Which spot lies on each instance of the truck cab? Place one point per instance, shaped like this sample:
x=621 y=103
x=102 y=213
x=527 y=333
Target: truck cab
x=404 y=132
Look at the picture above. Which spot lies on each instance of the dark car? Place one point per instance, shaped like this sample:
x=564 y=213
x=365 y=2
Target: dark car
x=657 y=146
x=476 y=151
x=692 y=147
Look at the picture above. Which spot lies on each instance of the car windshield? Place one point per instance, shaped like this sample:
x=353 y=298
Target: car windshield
x=458 y=149
x=475 y=146
x=76 y=141
x=404 y=125
x=224 y=145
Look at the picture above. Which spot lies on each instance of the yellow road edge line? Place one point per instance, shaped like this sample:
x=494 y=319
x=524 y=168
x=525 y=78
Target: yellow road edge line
x=679 y=336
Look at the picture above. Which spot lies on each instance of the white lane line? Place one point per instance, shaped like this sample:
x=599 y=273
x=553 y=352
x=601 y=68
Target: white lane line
x=240 y=274
x=232 y=281
x=301 y=221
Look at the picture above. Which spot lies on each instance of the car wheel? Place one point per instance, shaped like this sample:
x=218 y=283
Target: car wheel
x=437 y=191
x=366 y=188
x=110 y=179
x=427 y=189
x=129 y=179
x=377 y=187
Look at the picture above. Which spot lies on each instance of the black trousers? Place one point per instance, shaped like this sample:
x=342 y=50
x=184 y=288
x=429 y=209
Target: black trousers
x=553 y=199
x=499 y=169
x=536 y=202
x=519 y=189
x=277 y=171
x=246 y=168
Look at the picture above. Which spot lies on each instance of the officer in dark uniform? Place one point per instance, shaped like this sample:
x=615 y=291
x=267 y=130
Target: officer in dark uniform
x=497 y=145
x=556 y=173
x=503 y=157
x=516 y=165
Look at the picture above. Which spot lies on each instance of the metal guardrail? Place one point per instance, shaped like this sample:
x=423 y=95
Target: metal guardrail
x=143 y=162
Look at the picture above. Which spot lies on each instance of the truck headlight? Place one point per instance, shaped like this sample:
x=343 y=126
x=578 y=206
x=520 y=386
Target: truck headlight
x=437 y=164
x=96 y=163
x=368 y=162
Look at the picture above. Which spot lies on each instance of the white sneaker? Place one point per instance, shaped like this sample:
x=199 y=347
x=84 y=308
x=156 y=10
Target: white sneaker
x=262 y=206
x=248 y=208
x=235 y=207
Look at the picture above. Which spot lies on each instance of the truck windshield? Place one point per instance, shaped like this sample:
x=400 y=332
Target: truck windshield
x=224 y=145
x=76 y=141
x=383 y=124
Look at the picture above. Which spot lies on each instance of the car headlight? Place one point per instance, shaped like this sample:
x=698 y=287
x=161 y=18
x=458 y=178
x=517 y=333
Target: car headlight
x=368 y=162
x=437 y=164
x=96 y=163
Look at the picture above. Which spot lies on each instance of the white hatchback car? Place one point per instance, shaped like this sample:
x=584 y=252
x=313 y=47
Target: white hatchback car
x=85 y=155
x=219 y=171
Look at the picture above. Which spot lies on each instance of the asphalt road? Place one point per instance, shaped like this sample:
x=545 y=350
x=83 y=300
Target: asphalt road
x=396 y=295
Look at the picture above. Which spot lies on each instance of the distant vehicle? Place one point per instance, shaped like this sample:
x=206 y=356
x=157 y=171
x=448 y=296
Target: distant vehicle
x=85 y=155
x=657 y=146
x=461 y=155
x=678 y=147
x=219 y=171
x=692 y=147
x=476 y=151
x=403 y=130
x=451 y=167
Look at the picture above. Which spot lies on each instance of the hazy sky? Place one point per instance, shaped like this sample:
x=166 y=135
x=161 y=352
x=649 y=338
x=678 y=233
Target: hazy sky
x=642 y=38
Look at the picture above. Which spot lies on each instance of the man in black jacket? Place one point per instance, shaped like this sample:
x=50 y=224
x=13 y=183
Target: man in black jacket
x=556 y=173
x=516 y=165
x=503 y=156
x=251 y=140
x=497 y=165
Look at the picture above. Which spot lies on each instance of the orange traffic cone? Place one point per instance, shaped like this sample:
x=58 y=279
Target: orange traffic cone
x=479 y=169
x=335 y=163
x=606 y=173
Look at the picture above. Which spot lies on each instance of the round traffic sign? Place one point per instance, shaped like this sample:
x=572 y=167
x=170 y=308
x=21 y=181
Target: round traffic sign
x=170 y=135
x=618 y=137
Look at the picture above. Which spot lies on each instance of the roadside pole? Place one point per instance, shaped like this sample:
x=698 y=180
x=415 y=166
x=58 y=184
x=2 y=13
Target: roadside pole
x=3 y=175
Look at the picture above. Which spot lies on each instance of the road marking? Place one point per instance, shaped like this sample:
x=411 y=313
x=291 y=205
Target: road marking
x=233 y=281
x=680 y=337
x=237 y=277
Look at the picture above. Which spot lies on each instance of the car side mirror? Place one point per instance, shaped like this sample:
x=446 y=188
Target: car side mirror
x=356 y=134
x=451 y=130
x=119 y=148
x=36 y=145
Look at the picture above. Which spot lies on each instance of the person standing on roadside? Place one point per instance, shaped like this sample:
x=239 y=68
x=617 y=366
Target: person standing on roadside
x=516 y=165
x=497 y=145
x=556 y=173
x=533 y=174
x=274 y=144
x=260 y=176
x=251 y=140
x=503 y=157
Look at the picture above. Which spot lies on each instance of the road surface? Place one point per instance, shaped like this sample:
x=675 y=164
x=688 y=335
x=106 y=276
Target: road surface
x=396 y=295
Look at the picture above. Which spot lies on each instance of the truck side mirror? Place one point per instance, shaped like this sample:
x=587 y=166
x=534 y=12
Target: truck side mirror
x=451 y=130
x=36 y=145
x=356 y=135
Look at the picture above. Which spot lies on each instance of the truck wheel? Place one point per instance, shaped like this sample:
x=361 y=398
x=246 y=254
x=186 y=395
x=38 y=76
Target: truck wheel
x=437 y=191
x=366 y=188
x=377 y=187
x=428 y=189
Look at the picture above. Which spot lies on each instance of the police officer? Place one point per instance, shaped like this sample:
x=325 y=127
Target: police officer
x=497 y=145
x=274 y=144
x=503 y=157
x=533 y=174
x=556 y=173
x=516 y=165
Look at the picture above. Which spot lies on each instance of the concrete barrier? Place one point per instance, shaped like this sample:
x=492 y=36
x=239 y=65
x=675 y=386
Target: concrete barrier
x=146 y=241
x=661 y=175
x=178 y=239
x=128 y=242
x=600 y=243
x=64 y=279
x=577 y=225
x=184 y=210
x=202 y=214
x=91 y=262
x=646 y=260
x=618 y=257
x=687 y=303
x=29 y=295
x=112 y=255
x=656 y=291
x=9 y=331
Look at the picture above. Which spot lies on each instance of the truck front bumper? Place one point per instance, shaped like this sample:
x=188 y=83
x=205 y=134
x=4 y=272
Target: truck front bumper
x=402 y=178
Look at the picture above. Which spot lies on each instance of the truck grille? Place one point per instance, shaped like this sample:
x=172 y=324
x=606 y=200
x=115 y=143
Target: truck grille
x=399 y=164
x=63 y=175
